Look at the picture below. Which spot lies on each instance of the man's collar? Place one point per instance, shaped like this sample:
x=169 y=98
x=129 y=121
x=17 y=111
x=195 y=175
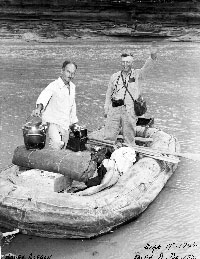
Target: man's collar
x=126 y=74
x=63 y=82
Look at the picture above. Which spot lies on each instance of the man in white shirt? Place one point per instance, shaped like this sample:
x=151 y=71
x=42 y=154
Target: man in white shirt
x=123 y=87
x=56 y=104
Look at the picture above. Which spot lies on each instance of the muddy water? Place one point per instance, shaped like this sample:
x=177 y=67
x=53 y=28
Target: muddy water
x=170 y=226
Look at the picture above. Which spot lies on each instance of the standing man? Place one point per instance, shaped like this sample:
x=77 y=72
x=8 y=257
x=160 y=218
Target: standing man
x=123 y=87
x=56 y=104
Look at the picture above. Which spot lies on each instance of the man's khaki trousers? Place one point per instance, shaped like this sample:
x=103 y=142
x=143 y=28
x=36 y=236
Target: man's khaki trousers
x=118 y=119
x=58 y=136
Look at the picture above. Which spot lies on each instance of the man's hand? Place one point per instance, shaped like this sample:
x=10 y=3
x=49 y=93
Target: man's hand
x=37 y=111
x=153 y=50
x=74 y=126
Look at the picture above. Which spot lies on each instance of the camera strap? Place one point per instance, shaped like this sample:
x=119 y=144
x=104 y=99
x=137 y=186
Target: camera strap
x=126 y=86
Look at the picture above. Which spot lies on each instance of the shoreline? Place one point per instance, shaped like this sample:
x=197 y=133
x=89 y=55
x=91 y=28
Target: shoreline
x=182 y=34
x=89 y=21
x=96 y=40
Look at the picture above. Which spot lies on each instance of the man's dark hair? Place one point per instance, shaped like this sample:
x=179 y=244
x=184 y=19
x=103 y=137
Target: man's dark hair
x=124 y=55
x=67 y=62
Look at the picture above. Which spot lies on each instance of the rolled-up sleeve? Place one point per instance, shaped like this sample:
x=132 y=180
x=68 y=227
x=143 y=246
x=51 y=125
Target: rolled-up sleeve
x=146 y=67
x=45 y=95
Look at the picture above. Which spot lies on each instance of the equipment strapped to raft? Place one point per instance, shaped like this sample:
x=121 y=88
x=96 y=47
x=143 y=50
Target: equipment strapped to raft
x=37 y=209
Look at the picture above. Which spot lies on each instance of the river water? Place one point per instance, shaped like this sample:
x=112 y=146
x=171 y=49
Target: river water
x=170 y=227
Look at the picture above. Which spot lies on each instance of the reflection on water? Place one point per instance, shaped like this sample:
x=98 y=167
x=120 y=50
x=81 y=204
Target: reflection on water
x=172 y=92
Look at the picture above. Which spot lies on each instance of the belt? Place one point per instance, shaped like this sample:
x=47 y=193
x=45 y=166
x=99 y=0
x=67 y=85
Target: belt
x=116 y=103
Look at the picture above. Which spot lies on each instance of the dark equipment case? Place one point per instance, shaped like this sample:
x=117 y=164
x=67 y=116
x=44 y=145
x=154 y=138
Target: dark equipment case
x=145 y=122
x=77 y=139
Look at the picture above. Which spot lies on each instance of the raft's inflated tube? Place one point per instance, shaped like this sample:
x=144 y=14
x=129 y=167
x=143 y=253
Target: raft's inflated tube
x=66 y=162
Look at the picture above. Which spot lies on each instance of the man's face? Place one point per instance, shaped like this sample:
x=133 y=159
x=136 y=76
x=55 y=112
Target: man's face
x=126 y=63
x=69 y=72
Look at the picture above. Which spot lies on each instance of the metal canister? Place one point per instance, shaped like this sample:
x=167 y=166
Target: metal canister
x=34 y=135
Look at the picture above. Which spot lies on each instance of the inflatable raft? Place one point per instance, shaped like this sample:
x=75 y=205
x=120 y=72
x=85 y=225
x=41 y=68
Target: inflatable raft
x=33 y=201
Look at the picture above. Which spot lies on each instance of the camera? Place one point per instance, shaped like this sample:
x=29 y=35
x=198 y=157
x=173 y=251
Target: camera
x=77 y=138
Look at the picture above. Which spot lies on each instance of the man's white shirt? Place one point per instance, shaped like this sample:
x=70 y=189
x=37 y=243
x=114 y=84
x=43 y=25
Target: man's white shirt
x=59 y=104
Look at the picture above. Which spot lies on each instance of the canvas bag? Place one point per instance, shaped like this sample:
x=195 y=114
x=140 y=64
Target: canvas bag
x=140 y=105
